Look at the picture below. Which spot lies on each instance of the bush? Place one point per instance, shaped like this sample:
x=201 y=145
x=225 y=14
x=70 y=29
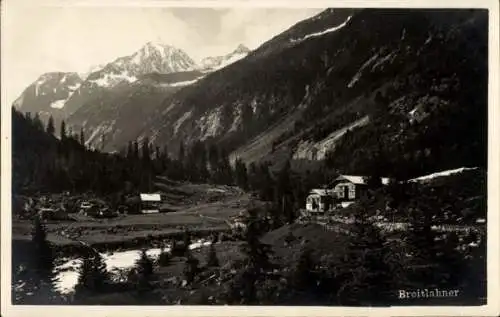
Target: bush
x=164 y=259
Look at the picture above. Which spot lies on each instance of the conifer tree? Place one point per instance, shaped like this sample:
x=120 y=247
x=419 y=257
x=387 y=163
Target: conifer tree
x=82 y=137
x=241 y=176
x=419 y=238
x=37 y=122
x=62 y=132
x=136 y=150
x=191 y=268
x=41 y=277
x=186 y=239
x=212 y=260
x=164 y=258
x=144 y=269
x=50 y=126
x=42 y=251
x=304 y=277
x=93 y=276
x=130 y=150
x=257 y=262
x=146 y=152
x=225 y=171
x=213 y=162
x=182 y=154
x=365 y=273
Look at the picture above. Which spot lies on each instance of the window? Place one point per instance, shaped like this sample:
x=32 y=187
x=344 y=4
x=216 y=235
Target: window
x=340 y=191
x=352 y=192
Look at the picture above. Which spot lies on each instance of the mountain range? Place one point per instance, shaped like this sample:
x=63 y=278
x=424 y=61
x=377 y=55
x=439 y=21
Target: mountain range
x=94 y=100
x=349 y=87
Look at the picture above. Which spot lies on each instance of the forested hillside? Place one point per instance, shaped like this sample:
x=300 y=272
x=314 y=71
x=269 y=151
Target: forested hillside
x=420 y=77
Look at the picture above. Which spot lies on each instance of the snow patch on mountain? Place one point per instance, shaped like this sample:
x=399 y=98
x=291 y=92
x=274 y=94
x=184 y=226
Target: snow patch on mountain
x=184 y=83
x=231 y=60
x=316 y=34
x=442 y=174
x=58 y=104
x=110 y=79
x=384 y=59
x=218 y=62
x=376 y=61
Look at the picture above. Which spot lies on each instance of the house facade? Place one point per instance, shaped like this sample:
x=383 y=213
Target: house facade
x=350 y=187
x=320 y=200
x=149 y=203
x=341 y=192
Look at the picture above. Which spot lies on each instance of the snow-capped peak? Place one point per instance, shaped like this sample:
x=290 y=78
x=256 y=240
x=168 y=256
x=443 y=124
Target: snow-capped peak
x=217 y=62
x=241 y=49
x=156 y=56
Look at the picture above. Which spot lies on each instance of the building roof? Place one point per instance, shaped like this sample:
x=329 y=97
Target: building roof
x=321 y=192
x=150 y=197
x=358 y=180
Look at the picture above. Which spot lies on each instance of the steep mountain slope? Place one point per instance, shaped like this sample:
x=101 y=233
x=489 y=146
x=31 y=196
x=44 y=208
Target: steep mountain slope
x=116 y=115
x=218 y=62
x=48 y=94
x=417 y=76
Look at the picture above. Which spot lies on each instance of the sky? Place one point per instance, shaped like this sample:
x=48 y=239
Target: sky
x=50 y=38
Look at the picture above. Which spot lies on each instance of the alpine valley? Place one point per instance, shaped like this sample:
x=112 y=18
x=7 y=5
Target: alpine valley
x=340 y=163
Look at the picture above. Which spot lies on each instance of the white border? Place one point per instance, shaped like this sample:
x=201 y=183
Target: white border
x=493 y=307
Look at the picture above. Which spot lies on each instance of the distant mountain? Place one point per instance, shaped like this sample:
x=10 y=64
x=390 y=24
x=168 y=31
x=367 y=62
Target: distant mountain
x=48 y=94
x=115 y=116
x=61 y=94
x=218 y=62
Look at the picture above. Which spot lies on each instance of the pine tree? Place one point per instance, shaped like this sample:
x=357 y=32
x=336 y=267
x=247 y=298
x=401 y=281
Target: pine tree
x=41 y=277
x=130 y=150
x=146 y=152
x=365 y=273
x=191 y=268
x=37 y=122
x=50 y=126
x=136 y=150
x=82 y=137
x=164 y=258
x=284 y=193
x=257 y=263
x=93 y=276
x=213 y=162
x=303 y=277
x=225 y=171
x=186 y=239
x=212 y=260
x=144 y=264
x=62 y=132
x=182 y=154
x=420 y=238
x=42 y=251
x=241 y=176
x=144 y=269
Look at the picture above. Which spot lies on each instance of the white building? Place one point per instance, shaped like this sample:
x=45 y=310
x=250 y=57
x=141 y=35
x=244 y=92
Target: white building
x=150 y=203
